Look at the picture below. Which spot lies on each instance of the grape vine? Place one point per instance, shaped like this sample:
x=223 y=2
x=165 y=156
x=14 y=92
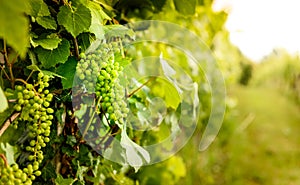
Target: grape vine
x=105 y=63
x=33 y=102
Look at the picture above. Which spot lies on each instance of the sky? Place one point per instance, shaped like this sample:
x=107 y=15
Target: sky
x=259 y=26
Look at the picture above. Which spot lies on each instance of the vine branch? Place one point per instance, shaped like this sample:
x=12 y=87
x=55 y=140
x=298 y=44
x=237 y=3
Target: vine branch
x=76 y=48
x=8 y=122
x=139 y=88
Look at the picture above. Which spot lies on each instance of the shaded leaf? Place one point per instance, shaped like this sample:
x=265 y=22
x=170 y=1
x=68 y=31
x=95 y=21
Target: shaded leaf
x=47 y=22
x=67 y=70
x=61 y=181
x=158 y=4
x=185 y=7
x=49 y=58
x=75 y=21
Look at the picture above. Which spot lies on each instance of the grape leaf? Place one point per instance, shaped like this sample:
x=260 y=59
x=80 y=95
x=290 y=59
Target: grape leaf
x=49 y=42
x=67 y=70
x=3 y=100
x=185 y=7
x=15 y=25
x=158 y=4
x=40 y=11
x=97 y=19
x=133 y=152
x=112 y=31
x=75 y=21
x=49 y=58
x=38 y=8
x=47 y=22
x=61 y=181
x=9 y=152
x=164 y=89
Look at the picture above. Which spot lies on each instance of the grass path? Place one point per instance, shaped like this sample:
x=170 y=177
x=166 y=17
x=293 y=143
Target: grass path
x=265 y=145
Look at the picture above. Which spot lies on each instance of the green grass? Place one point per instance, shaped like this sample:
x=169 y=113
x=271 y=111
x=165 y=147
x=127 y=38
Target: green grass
x=259 y=143
x=265 y=146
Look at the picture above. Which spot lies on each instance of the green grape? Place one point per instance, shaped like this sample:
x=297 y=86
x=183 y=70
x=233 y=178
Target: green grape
x=34 y=104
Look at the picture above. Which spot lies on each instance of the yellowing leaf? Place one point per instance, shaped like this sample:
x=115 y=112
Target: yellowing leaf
x=3 y=100
x=15 y=25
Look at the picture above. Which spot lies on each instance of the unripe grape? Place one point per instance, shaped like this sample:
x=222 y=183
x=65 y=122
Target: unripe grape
x=19 y=88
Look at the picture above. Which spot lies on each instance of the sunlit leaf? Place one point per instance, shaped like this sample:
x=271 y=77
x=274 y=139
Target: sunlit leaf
x=3 y=100
x=15 y=25
x=47 y=22
x=112 y=31
x=135 y=154
x=61 y=181
x=75 y=20
x=38 y=8
x=49 y=42
x=9 y=152
x=98 y=17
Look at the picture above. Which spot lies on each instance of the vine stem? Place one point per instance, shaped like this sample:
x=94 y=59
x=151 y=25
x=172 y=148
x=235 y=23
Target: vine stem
x=29 y=75
x=76 y=48
x=4 y=159
x=6 y=75
x=25 y=82
x=91 y=118
x=5 y=52
x=7 y=122
x=139 y=88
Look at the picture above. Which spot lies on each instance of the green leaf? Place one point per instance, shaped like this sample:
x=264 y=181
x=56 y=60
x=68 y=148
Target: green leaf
x=40 y=11
x=48 y=172
x=38 y=8
x=80 y=172
x=67 y=70
x=49 y=73
x=15 y=25
x=185 y=7
x=9 y=152
x=84 y=41
x=75 y=21
x=158 y=4
x=97 y=19
x=61 y=181
x=112 y=31
x=49 y=58
x=164 y=89
x=3 y=100
x=47 y=22
x=49 y=42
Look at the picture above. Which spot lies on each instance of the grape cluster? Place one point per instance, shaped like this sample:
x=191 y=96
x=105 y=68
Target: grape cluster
x=12 y=175
x=104 y=64
x=33 y=103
